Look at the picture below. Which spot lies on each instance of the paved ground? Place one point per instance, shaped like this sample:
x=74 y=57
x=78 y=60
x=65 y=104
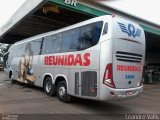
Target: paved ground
x=23 y=99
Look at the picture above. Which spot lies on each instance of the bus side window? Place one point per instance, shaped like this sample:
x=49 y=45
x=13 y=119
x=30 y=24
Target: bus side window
x=52 y=44
x=66 y=41
x=10 y=56
x=21 y=51
x=5 y=59
x=74 y=39
x=85 y=38
x=96 y=32
x=59 y=43
x=37 y=46
x=105 y=30
x=90 y=35
x=15 y=51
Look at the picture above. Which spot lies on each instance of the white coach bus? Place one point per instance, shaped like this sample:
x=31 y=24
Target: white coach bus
x=101 y=59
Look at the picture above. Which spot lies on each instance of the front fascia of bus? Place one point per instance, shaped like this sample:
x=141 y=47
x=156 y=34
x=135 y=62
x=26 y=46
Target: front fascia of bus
x=123 y=69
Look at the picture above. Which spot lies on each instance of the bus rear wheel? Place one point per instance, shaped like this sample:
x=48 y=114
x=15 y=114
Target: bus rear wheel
x=62 y=92
x=49 y=87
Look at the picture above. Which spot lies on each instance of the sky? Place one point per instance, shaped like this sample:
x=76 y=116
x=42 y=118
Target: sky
x=146 y=9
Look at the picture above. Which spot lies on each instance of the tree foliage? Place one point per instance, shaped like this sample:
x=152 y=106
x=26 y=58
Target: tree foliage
x=3 y=49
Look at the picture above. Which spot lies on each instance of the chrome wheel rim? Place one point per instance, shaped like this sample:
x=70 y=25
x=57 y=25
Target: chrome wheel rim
x=48 y=86
x=62 y=92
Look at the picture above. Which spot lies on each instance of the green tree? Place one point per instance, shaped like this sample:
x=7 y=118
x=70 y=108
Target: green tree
x=3 y=49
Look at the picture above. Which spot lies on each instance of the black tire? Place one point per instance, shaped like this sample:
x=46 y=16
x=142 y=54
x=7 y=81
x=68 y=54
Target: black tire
x=49 y=87
x=62 y=92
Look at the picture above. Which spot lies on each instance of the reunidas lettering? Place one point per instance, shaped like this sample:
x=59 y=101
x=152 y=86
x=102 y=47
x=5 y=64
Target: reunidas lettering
x=129 y=68
x=68 y=60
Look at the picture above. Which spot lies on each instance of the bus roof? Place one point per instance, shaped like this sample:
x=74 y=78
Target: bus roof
x=101 y=18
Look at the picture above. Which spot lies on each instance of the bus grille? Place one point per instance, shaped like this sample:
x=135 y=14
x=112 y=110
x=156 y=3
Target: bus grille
x=128 y=57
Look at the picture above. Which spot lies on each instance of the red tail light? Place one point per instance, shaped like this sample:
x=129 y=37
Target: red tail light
x=108 y=76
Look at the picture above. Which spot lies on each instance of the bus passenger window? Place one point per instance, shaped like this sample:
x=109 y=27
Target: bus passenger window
x=51 y=45
x=90 y=35
x=66 y=41
x=37 y=46
x=85 y=38
x=96 y=32
x=105 y=30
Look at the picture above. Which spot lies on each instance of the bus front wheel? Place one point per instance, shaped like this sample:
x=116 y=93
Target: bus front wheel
x=49 y=88
x=62 y=92
x=11 y=77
